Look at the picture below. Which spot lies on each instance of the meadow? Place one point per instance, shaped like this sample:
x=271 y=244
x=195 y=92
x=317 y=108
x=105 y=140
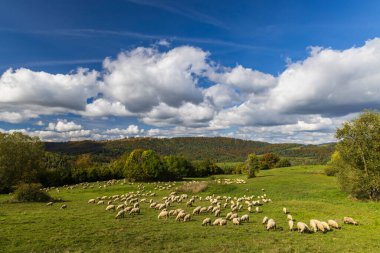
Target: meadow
x=305 y=190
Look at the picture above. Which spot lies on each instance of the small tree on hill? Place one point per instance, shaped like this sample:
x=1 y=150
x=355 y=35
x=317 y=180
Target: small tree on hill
x=358 y=157
x=252 y=165
x=268 y=161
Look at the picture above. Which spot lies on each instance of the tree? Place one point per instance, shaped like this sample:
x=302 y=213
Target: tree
x=144 y=165
x=358 y=157
x=283 y=163
x=84 y=161
x=20 y=160
x=177 y=166
x=268 y=161
x=252 y=165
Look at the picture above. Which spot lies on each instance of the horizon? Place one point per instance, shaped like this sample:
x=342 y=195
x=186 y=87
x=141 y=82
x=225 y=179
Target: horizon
x=269 y=71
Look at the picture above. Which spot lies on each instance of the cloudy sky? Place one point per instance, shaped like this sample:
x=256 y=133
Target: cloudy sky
x=276 y=71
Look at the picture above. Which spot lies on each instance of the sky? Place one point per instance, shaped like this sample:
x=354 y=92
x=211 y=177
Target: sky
x=275 y=71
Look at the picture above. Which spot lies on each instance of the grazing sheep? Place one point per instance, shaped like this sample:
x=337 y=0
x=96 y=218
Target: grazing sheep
x=228 y=215
x=291 y=224
x=153 y=205
x=349 y=220
x=313 y=225
x=265 y=220
x=206 y=222
x=217 y=221
x=50 y=204
x=271 y=224
x=197 y=210
x=285 y=210
x=236 y=221
x=257 y=209
x=333 y=224
x=64 y=206
x=187 y=217
x=250 y=209
x=180 y=216
x=217 y=213
x=302 y=227
x=325 y=225
x=110 y=207
x=135 y=210
x=234 y=215
x=100 y=202
x=91 y=201
x=162 y=214
x=321 y=227
x=203 y=210
x=122 y=206
x=290 y=217
x=222 y=222
x=127 y=208
x=120 y=214
x=245 y=217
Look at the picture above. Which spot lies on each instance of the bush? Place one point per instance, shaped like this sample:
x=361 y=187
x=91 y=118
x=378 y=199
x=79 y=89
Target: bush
x=330 y=171
x=193 y=187
x=283 y=163
x=31 y=193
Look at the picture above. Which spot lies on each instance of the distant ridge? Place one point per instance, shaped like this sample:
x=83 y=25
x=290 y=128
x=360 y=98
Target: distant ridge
x=218 y=149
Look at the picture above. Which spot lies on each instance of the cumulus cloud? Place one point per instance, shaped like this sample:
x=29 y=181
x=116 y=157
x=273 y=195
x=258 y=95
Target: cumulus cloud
x=180 y=91
x=63 y=126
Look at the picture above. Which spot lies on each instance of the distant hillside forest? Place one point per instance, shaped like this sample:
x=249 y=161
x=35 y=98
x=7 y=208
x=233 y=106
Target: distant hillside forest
x=216 y=149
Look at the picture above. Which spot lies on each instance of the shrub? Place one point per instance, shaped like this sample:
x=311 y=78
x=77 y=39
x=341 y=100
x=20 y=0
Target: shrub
x=330 y=171
x=283 y=163
x=31 y=193
x=193 y=187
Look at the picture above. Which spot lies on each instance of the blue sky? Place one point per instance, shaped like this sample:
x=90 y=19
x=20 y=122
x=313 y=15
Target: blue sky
x=278 y=71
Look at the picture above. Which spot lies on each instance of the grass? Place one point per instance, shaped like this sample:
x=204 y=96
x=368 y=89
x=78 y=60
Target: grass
x=82 y=227
x=193 y=187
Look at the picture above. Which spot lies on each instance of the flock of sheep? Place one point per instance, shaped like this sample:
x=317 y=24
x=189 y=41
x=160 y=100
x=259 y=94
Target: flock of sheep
x=170 y=207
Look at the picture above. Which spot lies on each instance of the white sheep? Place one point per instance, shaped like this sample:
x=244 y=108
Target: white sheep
x=271 y=224
x=100 y=202
x=120 y=214
x=333 y=224
x=217 y=213
x=206 y=222
x=91 y=201
x=291 y=224
x=180 y=216
x=245 y=217
x=197 y=210
x=313 y=225
x=222 y=222
x=187 y=217
x=290 y=217
x=302 y=227
x=321 y=227
x=163 y=213
x=349 y=220
x=135 y=210
x=50 y=204
x=217 y=221
x=119 y=207
x=265 y=220
x=234 y=215
x=236 y=221
x=325 y=225
x=64 y=206
x=110 y=207
x=285 y=210
x=257 y=209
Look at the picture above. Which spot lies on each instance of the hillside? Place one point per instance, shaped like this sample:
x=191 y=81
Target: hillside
x=218 y=149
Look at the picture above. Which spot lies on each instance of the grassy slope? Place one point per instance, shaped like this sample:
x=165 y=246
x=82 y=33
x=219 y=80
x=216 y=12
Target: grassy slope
x=305 y=191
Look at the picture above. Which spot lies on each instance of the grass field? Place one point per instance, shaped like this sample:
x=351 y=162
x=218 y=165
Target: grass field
x=304 y=190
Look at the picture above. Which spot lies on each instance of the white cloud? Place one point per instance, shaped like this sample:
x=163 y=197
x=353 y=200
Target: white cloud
x=143 y=78
x=130 y=130
x=102 y=107
x=63 y=126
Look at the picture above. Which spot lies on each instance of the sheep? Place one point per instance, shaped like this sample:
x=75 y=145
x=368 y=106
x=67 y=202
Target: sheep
x=333 y=224
x=180 y=216
x=162 y=214
x=217 y=221
x=245 y=217
x=127 y=208
x=153 y=205
x=187 y=217
x=122 y=206
x=222 y=222
x=321 y=227
x=285 y=210
x=228 y=215
x=265 y=220
x=291 y=224
x=250 y=209
x=64 y=206
x=313 y=225
x=206 y=222
x=290 y=217
x=197 y=209
x=325 y=225
x=236 y=221
x=302 y=227
x=271 y=224
x=217 y=213
x=91 y=201
x=50 y=204
x=203 y=210
x=234 y=215
x=110 y=207
x=100 y=202
x=135 y=210
x=120 y=214
x=257 y=209
x=349 y=220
